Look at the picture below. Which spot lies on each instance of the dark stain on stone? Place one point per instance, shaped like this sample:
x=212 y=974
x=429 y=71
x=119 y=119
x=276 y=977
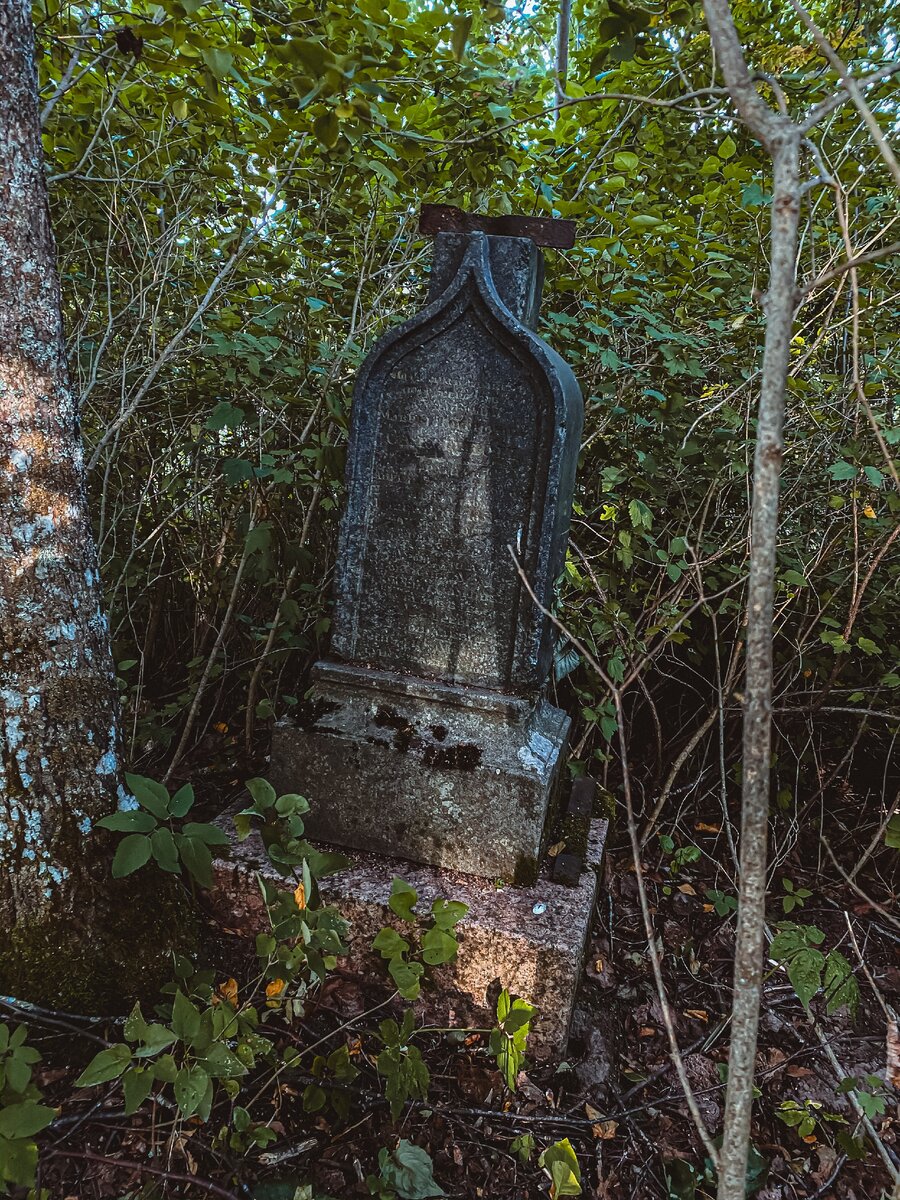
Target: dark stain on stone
x=310 y=712
x=461 y=757
x=526 y=871
x=389 y=718
x=438 y=732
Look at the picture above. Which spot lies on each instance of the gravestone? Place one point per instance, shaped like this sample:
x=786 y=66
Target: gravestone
x=427 y=734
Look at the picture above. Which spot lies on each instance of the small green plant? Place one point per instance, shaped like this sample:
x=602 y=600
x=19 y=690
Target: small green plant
x=795 y=947
x=523 y=1147
x=338 y=1068
x=155 y=830
x=682 y=857
x=279 y=820
x=510 y=1036
x=437 y=941
x=561 y=1164
x=724 y=905
x=794 y=897
x=805 y=1116
x=870 y=1092
x=405 y=1072
x=21 y=1113
x=406 y=1173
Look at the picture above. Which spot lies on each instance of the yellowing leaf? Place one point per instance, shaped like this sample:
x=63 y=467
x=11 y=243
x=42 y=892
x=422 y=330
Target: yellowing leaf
x=868 y=511
x=274 y=988
x=300 y=895
x=229 y=991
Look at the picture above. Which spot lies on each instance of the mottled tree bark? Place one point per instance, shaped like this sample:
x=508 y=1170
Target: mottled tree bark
x=59 y=762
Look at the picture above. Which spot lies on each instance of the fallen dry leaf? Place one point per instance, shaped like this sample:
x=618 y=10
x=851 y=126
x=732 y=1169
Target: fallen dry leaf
x=699 y=1014
x=686 y=889
x=604 y=1130
x=704 y=828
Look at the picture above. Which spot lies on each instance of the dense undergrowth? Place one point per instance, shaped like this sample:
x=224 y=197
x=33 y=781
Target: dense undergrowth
x=234 y=193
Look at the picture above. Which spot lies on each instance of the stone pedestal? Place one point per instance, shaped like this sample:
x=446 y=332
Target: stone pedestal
x=530 y=940
x=454 y=776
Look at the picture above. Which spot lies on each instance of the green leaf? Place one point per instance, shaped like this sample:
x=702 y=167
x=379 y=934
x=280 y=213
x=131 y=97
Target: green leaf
x=389 y=943
x=243 y=826
x=460 y=27
x=841 y=988
x=219 y=61
x=403 y=897
x=24 y=1120
x=561 y=1164
x=225 y=415
x=728 y=148
x=448 y=913
x=406 y=977
x=868 y=646
x=182 y=802
x=438 y=947
x=191 y=1084
x=131 y=853
x=137 y=1085
x=150 y=794
x=262 y=792
x=135 y=1026
x=164 y=850
x=155 y=1038
x=128 y=822
x=327 y=128
x=108 y=1064
x=164 y=1069
x=892 y=833
x=196 y=856
x=185 y=1018
x=410 y=1172
x=805 y=973
x=211 y=834
x=625 y=161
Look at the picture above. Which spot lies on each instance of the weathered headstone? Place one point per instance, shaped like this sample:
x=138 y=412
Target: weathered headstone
x=427 y=734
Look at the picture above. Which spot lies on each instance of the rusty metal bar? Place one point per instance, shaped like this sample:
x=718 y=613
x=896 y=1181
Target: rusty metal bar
x=543 y=231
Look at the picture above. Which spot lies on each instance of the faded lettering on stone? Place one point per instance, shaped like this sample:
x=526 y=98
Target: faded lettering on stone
x=459 y=445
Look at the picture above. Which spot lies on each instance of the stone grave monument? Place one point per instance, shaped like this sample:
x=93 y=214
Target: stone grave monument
x=427 y=736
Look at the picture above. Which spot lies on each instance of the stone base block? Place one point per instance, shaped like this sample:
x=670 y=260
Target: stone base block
x=530 y=940
x=425 y=771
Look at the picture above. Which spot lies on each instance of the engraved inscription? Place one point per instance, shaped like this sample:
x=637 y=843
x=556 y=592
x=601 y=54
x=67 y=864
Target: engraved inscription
x=460 y=449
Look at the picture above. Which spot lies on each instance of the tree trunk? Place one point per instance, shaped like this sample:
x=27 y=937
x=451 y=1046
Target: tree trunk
x=59 y=738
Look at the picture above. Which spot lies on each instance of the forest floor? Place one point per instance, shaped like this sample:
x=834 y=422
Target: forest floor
x=616 y=1097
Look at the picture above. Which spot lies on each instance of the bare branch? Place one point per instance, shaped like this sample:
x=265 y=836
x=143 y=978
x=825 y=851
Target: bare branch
x=852 y=89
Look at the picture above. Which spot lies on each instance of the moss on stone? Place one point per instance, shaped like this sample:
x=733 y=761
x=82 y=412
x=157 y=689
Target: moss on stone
x=605 y=805
x=103 y=962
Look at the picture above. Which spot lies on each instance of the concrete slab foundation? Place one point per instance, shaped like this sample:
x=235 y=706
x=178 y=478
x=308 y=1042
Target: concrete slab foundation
x=530 y=940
